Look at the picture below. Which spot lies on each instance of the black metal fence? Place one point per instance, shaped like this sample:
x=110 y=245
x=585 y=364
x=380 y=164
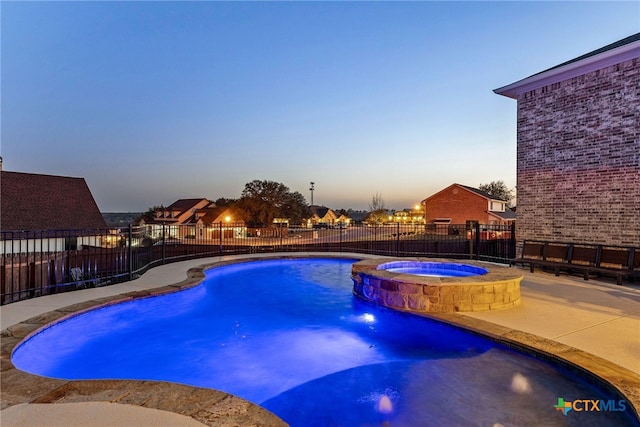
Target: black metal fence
x=36 y=263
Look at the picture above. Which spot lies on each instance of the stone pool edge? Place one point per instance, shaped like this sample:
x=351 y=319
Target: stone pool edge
x=215 y=408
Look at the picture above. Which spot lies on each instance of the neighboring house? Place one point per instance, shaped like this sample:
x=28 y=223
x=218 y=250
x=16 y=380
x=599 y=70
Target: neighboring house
x=34 y=203
x=357 y=217
x=196 y=218
x=343 y=220
x=181 y=211
x=460 y=204
x=321 y=215
x=214 y=222
x=409 y=216
x=578 y=149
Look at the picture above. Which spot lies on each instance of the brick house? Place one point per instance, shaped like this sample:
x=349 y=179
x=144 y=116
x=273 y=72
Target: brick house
x=578 y=148
x=460 y=204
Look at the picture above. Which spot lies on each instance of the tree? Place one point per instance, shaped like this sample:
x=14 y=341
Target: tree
x=295 y=207
x=262 y=201
x=223 y=202
x=497 y=189
x=377 y=210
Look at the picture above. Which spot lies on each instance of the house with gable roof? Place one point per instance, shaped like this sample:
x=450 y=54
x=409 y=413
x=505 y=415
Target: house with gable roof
x=213 y=222
x=34 y=205
x=461 y=204
x=321 y=215
x=181 y=211
x=343 y=220
x=196 y=219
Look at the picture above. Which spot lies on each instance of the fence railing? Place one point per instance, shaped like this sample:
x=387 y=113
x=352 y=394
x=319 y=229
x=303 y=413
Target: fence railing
x=36 y=263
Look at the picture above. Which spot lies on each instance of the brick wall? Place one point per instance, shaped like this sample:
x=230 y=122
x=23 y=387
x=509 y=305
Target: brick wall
x=578 y=158
x=457 y=203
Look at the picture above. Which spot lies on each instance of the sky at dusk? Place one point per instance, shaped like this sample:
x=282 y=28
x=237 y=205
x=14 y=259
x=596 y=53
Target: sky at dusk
x=155 y=101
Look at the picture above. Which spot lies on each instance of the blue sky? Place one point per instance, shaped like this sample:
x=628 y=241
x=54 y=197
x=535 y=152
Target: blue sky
x=155 y=101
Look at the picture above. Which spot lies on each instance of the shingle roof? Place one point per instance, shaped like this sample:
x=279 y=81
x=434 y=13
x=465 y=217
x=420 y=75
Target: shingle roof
x=506 y=215
x=481 y=193
x=44 y=202
x=184 y=204
x=321 y=211
x=614 y=45
x=213 y=215
x=611 y=54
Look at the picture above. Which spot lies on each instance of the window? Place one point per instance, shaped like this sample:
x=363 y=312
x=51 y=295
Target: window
x=442 y=221
x=496 y=206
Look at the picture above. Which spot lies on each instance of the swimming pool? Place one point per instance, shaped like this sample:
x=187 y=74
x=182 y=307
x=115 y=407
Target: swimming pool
x=287 y=334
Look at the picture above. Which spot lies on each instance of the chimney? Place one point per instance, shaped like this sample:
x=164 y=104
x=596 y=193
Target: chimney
x=0 y=163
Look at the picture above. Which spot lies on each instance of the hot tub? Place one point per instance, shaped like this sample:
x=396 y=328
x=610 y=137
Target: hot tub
x=436 y=285
x=433 y=269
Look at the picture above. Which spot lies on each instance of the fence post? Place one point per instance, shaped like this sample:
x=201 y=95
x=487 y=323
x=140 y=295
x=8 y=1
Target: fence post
x=130 y=237
x=512 y=241
x=220 y=238
x=477 y=242
x=3 y=283
x=397 y=238
x=340 y=245
x=53 y=280
x=31 y=279
x=375 y=237
x=164 y=243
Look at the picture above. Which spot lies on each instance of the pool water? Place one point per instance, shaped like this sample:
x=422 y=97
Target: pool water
x=432 y=269
x=289 y=335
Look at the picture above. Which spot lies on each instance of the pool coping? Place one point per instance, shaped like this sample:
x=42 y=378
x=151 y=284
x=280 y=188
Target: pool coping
x=213 y=407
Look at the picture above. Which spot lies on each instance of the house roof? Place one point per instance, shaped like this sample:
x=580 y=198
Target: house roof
x=358 y=216
x=611 y=54
x=185 y=209
x=321 y=211
x=213 y=215
x=507 y=215
x=472 y=189
x=184 y=204
x=43 y=202
x=481 y=193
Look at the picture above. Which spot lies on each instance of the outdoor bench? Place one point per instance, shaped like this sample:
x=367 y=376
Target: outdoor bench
x=586 y=259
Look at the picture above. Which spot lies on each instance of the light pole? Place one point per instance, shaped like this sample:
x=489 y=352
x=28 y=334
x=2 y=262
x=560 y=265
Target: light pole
x=311 y=189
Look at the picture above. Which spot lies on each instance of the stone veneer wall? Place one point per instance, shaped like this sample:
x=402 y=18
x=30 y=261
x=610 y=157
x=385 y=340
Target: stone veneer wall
x=578 y=158
x=498 y=289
